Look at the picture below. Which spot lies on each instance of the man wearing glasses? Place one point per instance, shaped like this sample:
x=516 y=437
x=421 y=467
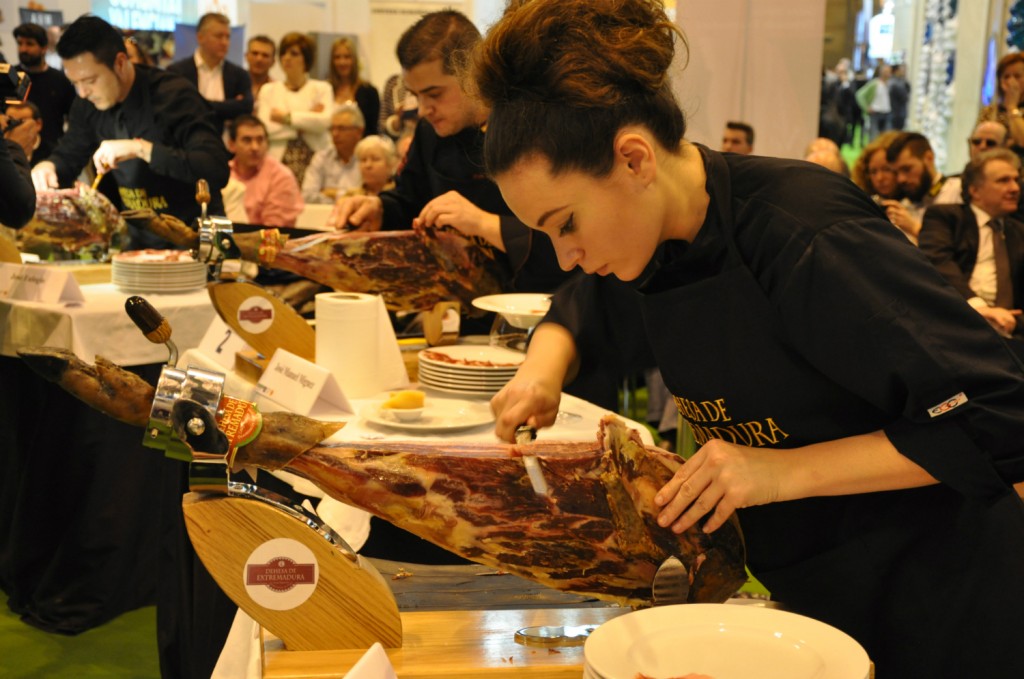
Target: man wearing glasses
x=988 y=135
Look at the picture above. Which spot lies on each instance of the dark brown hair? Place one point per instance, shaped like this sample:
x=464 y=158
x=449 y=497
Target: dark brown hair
x=1006 y=62
x=747 y=130
x=91 y=34
x=266 y=41
x=562 y=77
x=446 y=35
x=304 y=43
x=916 y=142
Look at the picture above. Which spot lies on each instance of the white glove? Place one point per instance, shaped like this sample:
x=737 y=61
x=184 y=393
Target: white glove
x=44 y=176
x=113 y=151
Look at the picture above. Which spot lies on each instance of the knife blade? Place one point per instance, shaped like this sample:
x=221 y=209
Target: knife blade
x=671 y=583
x=526 y=434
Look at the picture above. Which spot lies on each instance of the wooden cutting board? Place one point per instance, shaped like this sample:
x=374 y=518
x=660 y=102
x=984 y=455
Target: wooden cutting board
x=262 y=320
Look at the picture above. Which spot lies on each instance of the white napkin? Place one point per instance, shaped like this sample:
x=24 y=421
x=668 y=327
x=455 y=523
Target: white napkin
x=374 y=664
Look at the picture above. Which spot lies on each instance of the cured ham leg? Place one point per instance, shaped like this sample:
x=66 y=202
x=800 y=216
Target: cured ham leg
x=594 y=533
x=411 y=270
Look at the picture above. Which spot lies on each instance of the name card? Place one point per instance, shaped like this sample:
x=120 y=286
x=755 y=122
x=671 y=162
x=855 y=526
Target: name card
x=301 y=387
x=221 y=343
x=49 y=285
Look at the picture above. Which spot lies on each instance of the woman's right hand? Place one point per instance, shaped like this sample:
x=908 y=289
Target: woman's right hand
x=533 y=395
x=525 y=400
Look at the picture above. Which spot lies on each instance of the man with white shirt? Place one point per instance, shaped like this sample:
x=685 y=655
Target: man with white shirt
x=225 y=85
x=977 y=246
x=334 y=170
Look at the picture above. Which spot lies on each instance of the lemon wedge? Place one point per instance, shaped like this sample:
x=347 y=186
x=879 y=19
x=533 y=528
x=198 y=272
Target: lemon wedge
x=404 y=400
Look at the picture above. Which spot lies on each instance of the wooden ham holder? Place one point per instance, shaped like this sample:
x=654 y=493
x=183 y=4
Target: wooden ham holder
x=351 y=607
x=279 y=562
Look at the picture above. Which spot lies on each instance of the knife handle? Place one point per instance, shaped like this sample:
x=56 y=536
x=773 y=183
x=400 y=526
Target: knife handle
x=154 y=326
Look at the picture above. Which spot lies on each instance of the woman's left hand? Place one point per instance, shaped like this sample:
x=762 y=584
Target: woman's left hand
x=279 y=116
x=720 y=478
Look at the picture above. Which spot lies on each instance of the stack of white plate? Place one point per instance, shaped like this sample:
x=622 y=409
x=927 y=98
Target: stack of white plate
x=166 y=271
x=721 y=641
x=470 y=370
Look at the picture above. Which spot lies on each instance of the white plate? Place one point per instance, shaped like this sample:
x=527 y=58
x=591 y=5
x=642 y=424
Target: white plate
x=498 y=380
x=439 y=414
x=483 y=358
x=725 y=642
x=523 y=310
x=459 y=391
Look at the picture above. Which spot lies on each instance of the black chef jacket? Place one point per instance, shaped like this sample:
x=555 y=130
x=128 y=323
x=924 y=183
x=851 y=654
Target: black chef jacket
x=799 y=315
x=167 y=110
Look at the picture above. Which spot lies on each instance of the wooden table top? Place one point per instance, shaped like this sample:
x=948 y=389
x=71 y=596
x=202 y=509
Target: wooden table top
x=454 y=644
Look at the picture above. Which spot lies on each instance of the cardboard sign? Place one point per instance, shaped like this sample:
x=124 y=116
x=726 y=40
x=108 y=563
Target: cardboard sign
x=301 y=386
x=49 y=285
x=221 y=343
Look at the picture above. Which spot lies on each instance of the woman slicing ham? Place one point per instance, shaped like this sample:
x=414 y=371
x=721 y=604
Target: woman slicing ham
x=862 y=420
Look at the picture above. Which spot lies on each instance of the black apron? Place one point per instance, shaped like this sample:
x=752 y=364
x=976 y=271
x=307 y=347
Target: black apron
x=928 y=581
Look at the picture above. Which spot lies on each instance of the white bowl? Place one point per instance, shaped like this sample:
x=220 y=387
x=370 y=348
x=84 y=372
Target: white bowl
x=523 y=310
x=404 y=414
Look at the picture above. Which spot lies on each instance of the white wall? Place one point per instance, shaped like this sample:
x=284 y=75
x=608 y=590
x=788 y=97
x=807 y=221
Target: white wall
x=754 y=61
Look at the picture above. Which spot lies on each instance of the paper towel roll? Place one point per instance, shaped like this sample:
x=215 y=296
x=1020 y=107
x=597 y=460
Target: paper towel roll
x=355 y=341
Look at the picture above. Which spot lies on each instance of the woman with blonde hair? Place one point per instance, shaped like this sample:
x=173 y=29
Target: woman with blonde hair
x=377 y=162
x=348 y=84
x=296 y=111
x=872 y=171
x=862 y=421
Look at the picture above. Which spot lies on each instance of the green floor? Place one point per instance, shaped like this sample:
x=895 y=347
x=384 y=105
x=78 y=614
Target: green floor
x=123 y=648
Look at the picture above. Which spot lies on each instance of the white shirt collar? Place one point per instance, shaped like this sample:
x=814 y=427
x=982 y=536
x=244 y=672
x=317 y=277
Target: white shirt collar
x=201 y=65
x=983 y=217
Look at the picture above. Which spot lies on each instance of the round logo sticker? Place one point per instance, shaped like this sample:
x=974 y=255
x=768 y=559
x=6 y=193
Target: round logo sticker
x=281 y=574
x=256 y=314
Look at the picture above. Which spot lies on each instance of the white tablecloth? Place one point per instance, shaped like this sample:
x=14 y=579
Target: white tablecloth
x=101 y=326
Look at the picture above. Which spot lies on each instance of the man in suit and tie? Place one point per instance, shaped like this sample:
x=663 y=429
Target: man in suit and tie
x=225 y=85
x=978 y=246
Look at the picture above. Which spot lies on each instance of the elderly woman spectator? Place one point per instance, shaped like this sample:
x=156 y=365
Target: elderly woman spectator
x=1010 y=76
x=297 y=110
x=872 y=171
x=348 y=84
x=377 y=162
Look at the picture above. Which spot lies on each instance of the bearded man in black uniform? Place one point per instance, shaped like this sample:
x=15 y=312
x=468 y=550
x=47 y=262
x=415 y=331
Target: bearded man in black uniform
x=151 y=130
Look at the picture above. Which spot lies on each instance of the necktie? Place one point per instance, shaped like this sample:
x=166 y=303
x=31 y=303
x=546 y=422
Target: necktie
x=1004 y=285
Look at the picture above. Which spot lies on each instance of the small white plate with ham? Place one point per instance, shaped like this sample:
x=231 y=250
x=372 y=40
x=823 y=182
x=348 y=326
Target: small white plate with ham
x=439 y=414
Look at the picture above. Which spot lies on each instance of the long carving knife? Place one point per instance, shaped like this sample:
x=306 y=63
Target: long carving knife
x=526 y=434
